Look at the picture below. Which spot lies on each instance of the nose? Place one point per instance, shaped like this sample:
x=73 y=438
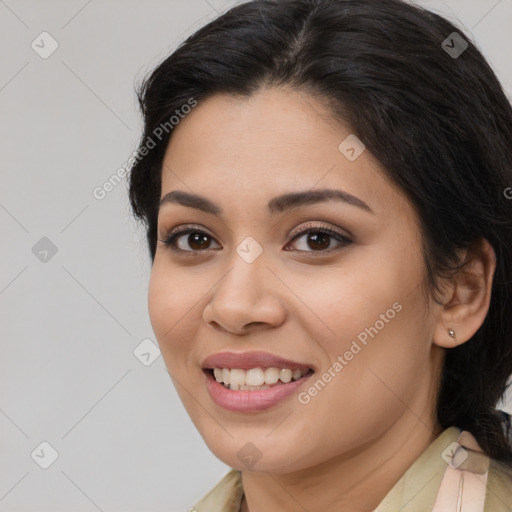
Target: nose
x=246 y=298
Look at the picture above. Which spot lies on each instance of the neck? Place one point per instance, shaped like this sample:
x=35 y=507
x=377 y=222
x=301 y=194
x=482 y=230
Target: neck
x=358 y=481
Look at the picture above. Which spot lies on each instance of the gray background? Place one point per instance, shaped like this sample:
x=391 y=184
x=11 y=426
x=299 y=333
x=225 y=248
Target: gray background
x=71 y=321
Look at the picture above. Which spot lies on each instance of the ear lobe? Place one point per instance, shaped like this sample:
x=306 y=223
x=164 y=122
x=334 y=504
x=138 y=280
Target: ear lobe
x=468 y=298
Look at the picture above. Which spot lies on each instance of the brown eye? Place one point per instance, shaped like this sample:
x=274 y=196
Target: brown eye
x=319 y=239
x=196 y=239
x=192 y=240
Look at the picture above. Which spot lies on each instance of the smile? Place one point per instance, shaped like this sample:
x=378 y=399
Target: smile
x=256 y=379
x=254 y=398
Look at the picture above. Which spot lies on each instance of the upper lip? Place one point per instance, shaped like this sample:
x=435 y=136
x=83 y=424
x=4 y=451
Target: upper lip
x=248 y=360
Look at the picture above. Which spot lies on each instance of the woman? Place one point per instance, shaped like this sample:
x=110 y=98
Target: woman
x=325 y=186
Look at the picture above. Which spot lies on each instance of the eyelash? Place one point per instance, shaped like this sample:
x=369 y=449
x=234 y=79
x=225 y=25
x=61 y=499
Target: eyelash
x=187 y=229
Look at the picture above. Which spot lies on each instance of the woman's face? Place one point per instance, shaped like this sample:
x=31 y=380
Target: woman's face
x=348 y=306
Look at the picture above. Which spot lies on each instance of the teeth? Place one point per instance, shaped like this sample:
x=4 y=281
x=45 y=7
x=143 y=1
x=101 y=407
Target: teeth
x=256 y=378
x=296 y=374
x=236 y=377
x=271 y=375
x=286 y=376
x=253 y=377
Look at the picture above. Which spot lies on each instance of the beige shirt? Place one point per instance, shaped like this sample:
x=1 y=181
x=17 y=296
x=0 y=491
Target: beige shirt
x=451 y=475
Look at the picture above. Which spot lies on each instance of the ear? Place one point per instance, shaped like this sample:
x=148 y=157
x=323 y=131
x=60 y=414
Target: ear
x=467 y=297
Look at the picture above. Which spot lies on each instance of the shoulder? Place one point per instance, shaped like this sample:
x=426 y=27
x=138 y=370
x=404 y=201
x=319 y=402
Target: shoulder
x=226 y=496
x=499 y=487
x=483 y=480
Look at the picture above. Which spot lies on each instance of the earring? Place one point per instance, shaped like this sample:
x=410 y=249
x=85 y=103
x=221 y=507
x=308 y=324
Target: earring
x=451 y=332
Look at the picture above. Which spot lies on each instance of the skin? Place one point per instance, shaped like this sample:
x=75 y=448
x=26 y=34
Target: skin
x=351 y=443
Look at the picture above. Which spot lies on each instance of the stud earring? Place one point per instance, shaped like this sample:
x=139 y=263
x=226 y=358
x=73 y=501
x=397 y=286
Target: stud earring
x=451 y=332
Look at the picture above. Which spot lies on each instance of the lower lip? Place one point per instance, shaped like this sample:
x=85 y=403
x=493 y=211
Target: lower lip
x=250 y=400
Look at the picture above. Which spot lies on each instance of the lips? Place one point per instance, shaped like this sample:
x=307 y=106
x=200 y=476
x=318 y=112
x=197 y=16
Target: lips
x=251 y=400
x=248 y=360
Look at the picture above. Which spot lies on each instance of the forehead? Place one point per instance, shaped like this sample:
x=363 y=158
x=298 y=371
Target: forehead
x=275 y=141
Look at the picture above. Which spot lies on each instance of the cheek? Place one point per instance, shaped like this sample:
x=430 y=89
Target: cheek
x=372 y=314
x=159 y=302
x=170 y=301
x=349 y=297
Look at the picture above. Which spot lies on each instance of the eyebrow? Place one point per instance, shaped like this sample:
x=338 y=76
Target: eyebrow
x=278 y=204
